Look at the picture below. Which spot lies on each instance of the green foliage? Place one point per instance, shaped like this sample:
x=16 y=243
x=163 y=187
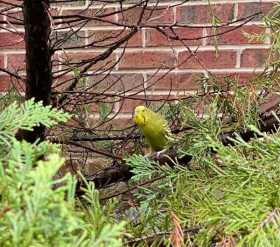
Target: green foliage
x=36 y=207
x=9 y=97
x=141 y=166
x=230 y=191
x=195 y=142
x=239 y=193
x=272 y=20
x=28 y=115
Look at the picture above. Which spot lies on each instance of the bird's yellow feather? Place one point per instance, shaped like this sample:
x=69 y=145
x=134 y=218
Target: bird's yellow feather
x=153 y=126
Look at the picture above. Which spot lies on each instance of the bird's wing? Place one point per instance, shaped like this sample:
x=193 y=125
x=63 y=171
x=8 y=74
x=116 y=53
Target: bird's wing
x=166 y=130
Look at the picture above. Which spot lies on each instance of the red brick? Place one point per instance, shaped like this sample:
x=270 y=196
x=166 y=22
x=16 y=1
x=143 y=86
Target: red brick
x=62 y=82
x=8 y=2
x=55 y=62
x=109 y=37
x=68 y=39
x=254 y=57
x=187 y=36
x=114 y=124
x=162 y=82
x=7 y=82
x=188 y=81
x=248 y=9
x=11 y=40
x=147 y=60
x=224 y=36
x=77 y=3
x=200 y=14
x=129 y=104
x=101 y=14
x=118 y=82
x=243 y=78
x=173 y=81
x=122 y=123
x=210 y=59
x=152 y=16
x=1 y=61
x=73 y=60
x=114 y=82
x=97 y=107
x=16 y=62
x=15 y=18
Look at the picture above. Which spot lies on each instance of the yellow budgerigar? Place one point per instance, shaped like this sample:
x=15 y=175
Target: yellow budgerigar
x=153 y=126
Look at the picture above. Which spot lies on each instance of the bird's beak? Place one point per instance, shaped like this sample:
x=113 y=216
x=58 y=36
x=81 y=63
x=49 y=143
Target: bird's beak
x=139 y=120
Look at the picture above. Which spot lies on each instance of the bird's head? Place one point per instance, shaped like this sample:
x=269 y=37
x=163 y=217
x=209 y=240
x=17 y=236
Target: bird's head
x=140 y=115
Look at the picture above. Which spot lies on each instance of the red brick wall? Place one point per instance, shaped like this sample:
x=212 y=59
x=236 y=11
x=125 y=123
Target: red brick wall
x=149 y=50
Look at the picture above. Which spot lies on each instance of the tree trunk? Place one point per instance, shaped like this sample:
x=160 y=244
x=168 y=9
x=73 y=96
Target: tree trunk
x=38 y=58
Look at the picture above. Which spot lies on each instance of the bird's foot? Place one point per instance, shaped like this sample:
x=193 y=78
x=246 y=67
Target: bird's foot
x=159 y=153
